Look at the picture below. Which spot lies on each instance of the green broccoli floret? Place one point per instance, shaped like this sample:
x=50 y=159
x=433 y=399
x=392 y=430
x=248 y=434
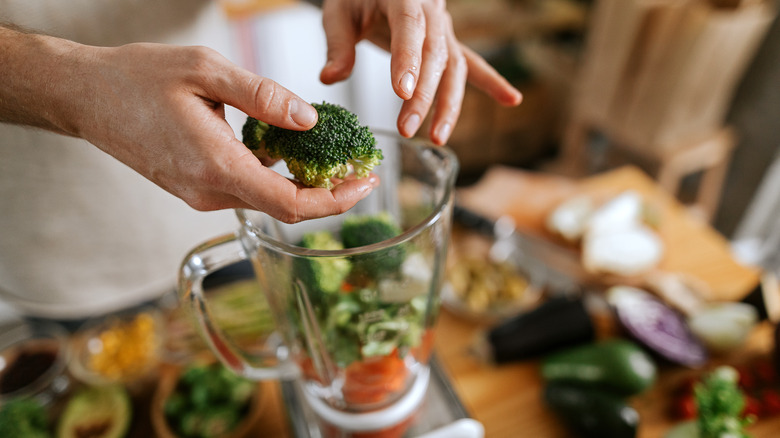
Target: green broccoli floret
x=322 y=274
x=361 y=230
x=328 y=150
x=24 y=418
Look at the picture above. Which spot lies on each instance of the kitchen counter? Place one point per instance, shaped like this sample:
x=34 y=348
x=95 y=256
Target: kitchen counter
x=506 y=398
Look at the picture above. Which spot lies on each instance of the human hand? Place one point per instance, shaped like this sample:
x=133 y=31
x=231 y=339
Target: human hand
x=159 y=109
x=427 y=64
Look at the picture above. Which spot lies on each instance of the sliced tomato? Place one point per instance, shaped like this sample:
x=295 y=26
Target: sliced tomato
x=375 y=379
x=308 y=370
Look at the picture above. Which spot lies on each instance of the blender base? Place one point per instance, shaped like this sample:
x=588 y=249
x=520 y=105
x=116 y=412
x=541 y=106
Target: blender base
x=440 y=406
x=399 y=411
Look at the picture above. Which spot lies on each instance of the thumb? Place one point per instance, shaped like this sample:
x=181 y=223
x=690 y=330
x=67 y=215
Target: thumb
x=263 y=99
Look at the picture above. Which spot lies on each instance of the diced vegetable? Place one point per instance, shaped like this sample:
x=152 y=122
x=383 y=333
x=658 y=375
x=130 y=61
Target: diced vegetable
x=372 y=322
x=208 y=401
x=127 y=348
x=482 y=284
x=373 y=380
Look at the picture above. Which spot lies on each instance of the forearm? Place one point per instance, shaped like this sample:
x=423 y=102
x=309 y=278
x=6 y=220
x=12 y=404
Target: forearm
x=42 y=84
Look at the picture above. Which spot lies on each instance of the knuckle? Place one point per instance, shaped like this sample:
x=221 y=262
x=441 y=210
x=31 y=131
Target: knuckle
x=457 y=61
x=198 y=200
x=265 y=94
x=412 y=12
x=202 y=59
x=289 y=214
x=199 y=203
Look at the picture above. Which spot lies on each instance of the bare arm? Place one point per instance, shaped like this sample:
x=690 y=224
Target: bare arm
x=160 y=110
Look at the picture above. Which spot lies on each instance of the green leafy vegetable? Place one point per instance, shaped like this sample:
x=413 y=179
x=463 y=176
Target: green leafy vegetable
x=358 y=317
x=208 y=401
x=24 y=418
x=720 y=403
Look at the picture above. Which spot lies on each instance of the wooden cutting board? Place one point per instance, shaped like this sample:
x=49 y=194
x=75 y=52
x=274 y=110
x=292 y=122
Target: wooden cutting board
x=693 y=248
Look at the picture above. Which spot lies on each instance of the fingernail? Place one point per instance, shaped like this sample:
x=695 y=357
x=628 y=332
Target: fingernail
x=373 y=179
x=411 y=124
x=365 y=191
x=443 y=132
x=302 y=113
x=407 y=83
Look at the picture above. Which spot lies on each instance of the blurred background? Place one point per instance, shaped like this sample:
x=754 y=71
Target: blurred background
x=662 y=110
x=686 y=90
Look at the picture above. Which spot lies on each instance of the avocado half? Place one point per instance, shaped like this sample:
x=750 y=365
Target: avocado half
x=96 y=412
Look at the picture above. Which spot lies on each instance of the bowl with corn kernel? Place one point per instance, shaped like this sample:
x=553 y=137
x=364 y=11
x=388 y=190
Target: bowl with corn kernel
x=118 y=348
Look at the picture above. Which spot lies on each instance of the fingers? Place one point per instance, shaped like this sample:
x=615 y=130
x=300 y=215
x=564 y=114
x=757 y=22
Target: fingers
x=407 y=23
x=452 y=90
x=486 y=78
x=245 y=183
x=342 y=36
x=434 y=60
x=264 y=189
x=260 y=97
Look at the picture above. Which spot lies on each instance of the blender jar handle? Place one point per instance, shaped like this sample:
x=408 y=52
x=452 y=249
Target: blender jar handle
x=201 y=261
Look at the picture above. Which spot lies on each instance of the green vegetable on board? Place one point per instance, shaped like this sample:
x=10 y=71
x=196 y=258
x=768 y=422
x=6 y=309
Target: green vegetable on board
x=616 y=365
x=719 y=408
x=328 y=150
x=720 y=403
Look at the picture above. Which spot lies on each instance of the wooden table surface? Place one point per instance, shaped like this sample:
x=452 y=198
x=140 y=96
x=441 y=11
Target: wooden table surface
x=506 y=398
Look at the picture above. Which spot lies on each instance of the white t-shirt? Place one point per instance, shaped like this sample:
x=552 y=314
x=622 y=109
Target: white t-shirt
x=80 y=233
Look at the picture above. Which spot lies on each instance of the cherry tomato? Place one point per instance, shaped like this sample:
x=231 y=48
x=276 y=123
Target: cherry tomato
x=770 y=402
x=766 y=372
x=747 y=380
x=752 y=407
x=687 y=384
x=685 y=407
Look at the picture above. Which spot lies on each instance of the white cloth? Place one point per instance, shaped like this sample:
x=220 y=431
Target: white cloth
x=80 y=233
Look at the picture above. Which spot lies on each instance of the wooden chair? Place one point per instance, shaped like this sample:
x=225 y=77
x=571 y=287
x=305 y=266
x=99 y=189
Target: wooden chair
x=656 y=81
